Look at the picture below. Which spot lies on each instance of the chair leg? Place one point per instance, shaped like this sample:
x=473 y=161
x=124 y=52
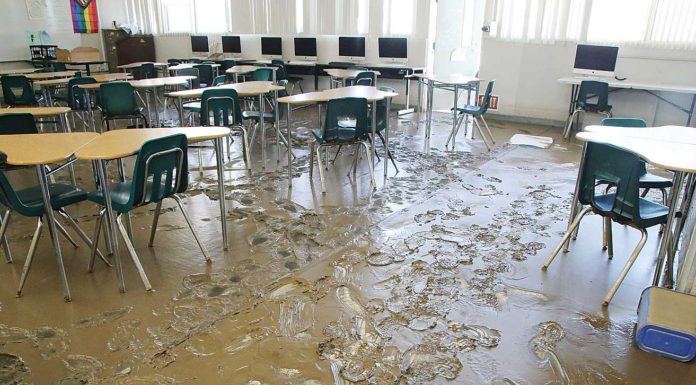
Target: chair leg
x=65 y=234
x=356 y=157
x=629 y=264
x=81 y=233
x=321 y=169
x=566 y=132
x=155 y=219
x=193 y=229
x=311 y=160
x=30 y=256
x=200 y=162
x=370 y=165
x=4 y=223
x=95 y=243
x=490 y=134
x=483 y=137
x=558 y=247
x=340 y=146
x=389 y=153
x=454 y=131
x=133 y=254
x=610 y=238
x=129 y=226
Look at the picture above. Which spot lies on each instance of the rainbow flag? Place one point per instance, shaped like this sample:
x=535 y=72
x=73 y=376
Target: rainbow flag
x=84 y=15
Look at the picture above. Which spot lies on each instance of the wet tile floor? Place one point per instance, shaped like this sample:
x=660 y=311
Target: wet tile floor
x=432 y=279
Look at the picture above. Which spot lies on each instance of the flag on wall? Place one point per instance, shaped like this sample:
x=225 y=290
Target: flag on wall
x=84 y=15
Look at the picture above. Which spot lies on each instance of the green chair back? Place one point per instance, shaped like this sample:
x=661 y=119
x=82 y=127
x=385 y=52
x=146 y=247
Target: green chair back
x=486 y=98
x=221 y=103
x=219 y=80
x=17 y=91
x=8 y=196
x=160 y=171
x=193 y=83
x=59 y=67
x=146 y=71
x=622 y=169
x=366 y=78
x=262 y=74
x=590 y=89
x=77 y=97
x=282 y=72
x=228 y=63
x=624 y=122
x=118 y=99
x=11 y=124
x=382 y=113
x=345 y=109
x=205 y=73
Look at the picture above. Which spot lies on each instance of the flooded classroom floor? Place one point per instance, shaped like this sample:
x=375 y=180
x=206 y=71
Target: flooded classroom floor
x=434 y=278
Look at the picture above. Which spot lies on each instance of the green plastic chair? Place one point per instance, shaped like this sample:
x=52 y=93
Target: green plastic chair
x=647 y=180
x=590 y=89
x=28 y=202
x=476 y=112
x=625 y=206
x=193 y=83
x=18 y=92
x=366 y=78
x=145 y=71
x=205 y=74
x=78 y=99
x=117 y=102
x=160 y=172
x=345 y=123
x=254 y=116
x=223 y=107
x=262 y=74
x=219 y=80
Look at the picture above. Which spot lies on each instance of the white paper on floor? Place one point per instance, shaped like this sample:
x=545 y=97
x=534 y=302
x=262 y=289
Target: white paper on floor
x=531 y=141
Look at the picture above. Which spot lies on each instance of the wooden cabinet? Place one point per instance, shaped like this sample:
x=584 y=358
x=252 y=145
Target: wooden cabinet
x=122 y=48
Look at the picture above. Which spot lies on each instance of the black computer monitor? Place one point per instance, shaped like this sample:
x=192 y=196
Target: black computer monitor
x=393 y=47
x=231 y=44
x=271 y=46
x=351 y=46
x=199 y=44
x=595 y=60
x=306 y=47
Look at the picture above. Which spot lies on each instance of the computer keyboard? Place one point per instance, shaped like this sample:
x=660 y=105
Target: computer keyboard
x=302 y=63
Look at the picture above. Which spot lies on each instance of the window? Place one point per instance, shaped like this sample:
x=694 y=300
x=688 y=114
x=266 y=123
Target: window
x=211 y=16
x=177 y=15
x=299 y=16
x=539 y=20
x=398 y=17
x=618 y=20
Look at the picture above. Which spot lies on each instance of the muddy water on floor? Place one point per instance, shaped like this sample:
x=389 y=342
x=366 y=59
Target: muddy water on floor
x=431 y=279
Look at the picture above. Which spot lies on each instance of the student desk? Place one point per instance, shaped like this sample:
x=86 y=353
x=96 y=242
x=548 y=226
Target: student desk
x=339 y=75
x=247 y=69
x=136 y=65
x=87 y=64
x=182 y=66
x=454 y=83
x=46 y=85
x=119 y=144
x=18 y=71
x=152 y=85
x=651 y=88
x=51 y=75
x=669 y=148
x=40 y=150
x=247 y=89
x=372 y=95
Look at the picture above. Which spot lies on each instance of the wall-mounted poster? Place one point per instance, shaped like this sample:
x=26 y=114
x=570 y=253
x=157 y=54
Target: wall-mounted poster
x=84 y=15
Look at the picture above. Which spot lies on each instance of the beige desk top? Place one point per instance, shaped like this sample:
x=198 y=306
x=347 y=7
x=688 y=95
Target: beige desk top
x=454 y=79
x=126 y=142
x=38 y=112
x=663 y=154
x=161 y=82
x=99 y=78
x=140 y=63
x=245 y=69
x=370 y=93
x=190 y=65
x=18 y=71
x=51 y=75
x=243 y=89
x=340 y=73
x=674 y=134
x=35 y=149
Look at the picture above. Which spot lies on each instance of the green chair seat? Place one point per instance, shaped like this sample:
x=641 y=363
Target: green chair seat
x=120 y=194
x=336 y=135
x=192 y=106
x=651 y=213
x=61 y=195
x=256 y=115
x=653 y=181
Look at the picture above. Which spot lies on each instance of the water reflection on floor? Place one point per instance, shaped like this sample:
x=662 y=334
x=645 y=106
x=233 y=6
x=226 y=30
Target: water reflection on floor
x=434 y=278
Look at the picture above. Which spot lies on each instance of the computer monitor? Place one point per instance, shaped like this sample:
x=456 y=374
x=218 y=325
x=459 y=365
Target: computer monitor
x=231 y=44
x=393 y=49
x=595 y=60
x=352 y=48
x=272 y=47
x=306 y=48
x=200 y=44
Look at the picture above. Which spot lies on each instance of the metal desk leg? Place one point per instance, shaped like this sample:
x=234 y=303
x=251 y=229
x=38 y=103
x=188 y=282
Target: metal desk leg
x=373 y=148
x=66 y=128
x=276 y=123
x=157 y=116
x=454 y=115
x=691 y=110
x=576 y=193
x=147 y=106
x=221 y=190
x=419 y=108
x=50 y=219
x=90 y=112
x=666 y=241
x=181 y=111
x=386 y=139
x=289 y=122
x=262 y=123
x=429 y=114
x=111 y=222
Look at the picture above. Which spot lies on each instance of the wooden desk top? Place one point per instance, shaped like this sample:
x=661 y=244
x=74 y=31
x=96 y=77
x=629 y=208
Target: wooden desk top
x=672 y=134
x=101 y=78
x=38 y=112
x=35 y=149
x=245 y=69
x=126 y=142
x=370 y=93
x=340 y=73
x=161 y=82
x=453 y=79
x=18 y=71
x=140 y=63
x=51 y=75
x=190 y=65
x=243 y=89
x=666 y=155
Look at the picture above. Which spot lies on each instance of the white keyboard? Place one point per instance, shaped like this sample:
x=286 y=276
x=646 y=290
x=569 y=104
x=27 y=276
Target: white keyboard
x=303 y=63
